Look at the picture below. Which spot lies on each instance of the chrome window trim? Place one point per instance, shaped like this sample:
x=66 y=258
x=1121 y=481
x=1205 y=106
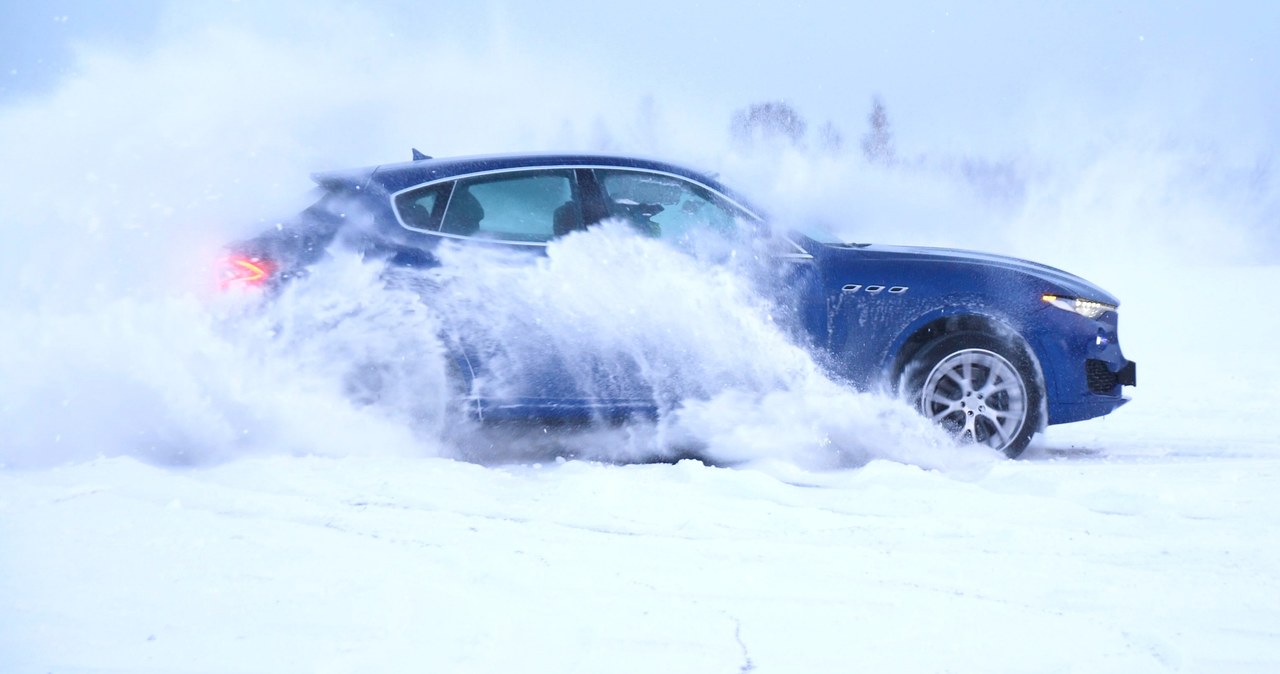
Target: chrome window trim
x=800 y=254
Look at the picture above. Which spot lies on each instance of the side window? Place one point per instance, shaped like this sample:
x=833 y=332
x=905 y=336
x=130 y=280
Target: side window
x=517 y=206
x=421 y=208
x=664 y=206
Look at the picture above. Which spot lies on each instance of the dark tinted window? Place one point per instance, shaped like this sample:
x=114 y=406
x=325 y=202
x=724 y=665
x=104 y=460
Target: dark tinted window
x=421 y=208
x=513 y=206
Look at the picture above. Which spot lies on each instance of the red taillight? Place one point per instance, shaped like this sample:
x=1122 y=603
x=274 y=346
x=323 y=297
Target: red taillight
x=240 y=270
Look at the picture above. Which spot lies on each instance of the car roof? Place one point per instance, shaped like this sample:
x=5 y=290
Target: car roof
x=395 y=177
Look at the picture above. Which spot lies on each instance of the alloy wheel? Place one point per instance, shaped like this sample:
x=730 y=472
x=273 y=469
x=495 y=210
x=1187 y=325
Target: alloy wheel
x=978 y=396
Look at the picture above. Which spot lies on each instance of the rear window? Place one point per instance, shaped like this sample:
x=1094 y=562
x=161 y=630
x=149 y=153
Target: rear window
x=421 y=208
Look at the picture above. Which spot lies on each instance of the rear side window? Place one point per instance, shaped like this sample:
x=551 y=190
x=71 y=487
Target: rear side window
x=516 y=206
x=422 y=208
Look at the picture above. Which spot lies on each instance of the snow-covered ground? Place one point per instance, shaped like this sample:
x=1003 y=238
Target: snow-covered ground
x=348 y=565
x=1142 y=542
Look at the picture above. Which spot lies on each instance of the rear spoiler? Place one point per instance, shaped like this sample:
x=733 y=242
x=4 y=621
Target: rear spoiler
x=356 y=177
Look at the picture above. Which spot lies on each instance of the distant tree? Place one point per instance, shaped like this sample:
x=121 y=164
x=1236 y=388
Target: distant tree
x=602 y=138
x=770 y=122
x=877 y=144
x=830 y=139
x=1001 y=181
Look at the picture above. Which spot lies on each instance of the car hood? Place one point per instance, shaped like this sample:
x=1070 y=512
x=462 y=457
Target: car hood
x=1056 y=280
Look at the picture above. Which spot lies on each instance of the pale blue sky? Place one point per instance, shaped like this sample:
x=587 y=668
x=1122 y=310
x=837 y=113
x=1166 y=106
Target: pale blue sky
x=956 y=73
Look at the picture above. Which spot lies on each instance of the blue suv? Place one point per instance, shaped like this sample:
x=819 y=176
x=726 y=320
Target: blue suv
x=991 y=348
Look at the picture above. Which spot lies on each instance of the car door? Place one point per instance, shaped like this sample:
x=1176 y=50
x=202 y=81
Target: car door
x=696 y=217
x=513 y=362
x=547 y=373
x=670 y=207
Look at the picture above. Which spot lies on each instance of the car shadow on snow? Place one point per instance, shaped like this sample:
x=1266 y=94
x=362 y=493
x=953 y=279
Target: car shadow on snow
x=1041 y=451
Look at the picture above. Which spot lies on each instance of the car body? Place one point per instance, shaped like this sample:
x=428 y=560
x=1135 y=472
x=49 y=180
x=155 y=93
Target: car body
x=993 y=348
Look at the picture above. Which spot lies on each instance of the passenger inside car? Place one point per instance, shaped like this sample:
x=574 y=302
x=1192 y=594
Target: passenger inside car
x=463 y=214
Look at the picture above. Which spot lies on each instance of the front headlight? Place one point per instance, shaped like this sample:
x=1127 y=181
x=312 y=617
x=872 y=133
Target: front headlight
x=1086 y=308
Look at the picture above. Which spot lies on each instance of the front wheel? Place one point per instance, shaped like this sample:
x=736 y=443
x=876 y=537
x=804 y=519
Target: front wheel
x=980 y=389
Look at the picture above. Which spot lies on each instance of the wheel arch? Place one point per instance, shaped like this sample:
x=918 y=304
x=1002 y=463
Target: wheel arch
x=931 y=327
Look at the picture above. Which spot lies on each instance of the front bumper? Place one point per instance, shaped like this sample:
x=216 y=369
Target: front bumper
x=1085 y=370
x=1102 y=392
x=1103 y=380
x=1128 y=375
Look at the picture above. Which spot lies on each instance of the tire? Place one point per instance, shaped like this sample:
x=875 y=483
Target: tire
x=978 y=388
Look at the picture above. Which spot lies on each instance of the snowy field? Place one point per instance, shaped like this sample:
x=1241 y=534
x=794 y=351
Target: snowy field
x=1143 y=542
x=188 y=487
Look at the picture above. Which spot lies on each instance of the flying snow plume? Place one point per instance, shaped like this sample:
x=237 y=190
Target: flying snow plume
x=701 y=333
x=124 y=182
x=188 y=380
x=140 y=167
x=1119 y=194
